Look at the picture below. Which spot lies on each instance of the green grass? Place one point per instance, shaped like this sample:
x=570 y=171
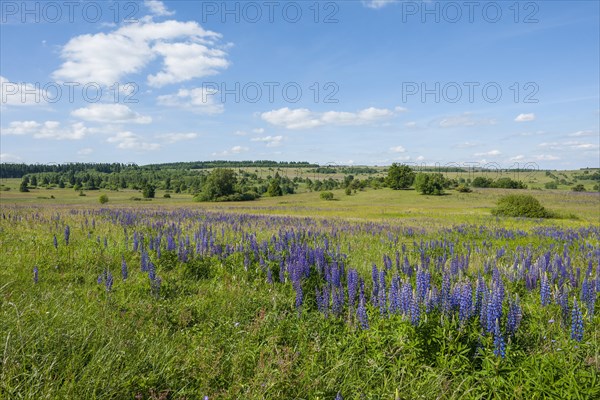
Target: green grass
x=226 y=333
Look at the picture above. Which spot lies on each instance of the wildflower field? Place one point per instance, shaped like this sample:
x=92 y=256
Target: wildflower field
x=185 y=301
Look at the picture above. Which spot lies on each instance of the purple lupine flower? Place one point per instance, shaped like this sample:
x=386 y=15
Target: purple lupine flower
x=576 y=322
x=479 y=291
x=406 y=298
x=423 y=284
x=514 y=316
x=123 y=268
x=55 y=241
x=361 y=313
x=545 y=290
x=269 y=276
x=375 y=291
x=35 y=274
x=339 y=396
x=466 y=303
x=499 y=344
x=100 y=279
x=352 y=280
x=338 y=300
x=109 y=281
x=67 y=234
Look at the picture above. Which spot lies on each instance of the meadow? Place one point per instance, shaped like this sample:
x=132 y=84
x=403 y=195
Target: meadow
x=377 y=295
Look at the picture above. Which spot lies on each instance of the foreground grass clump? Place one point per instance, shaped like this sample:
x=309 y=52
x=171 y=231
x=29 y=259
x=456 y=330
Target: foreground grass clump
x=123 y=302
x=521 y=205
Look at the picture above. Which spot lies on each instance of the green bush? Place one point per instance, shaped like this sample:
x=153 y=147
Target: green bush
x=578 y=188
x=520 y=205
x=327 y=196
x=551 y=185
x=463 y=189
x=103 y=199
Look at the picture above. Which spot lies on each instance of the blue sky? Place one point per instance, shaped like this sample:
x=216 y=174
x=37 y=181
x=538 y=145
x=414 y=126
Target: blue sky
x=351 y=82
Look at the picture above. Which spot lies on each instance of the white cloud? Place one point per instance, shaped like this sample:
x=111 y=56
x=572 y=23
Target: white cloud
x=200 y=100
x=568 y=145
x=21 y=94
x=85 y=151
x=411 y=124
x=21 y=128
x=177 y=137
x=525 y=117
x=258 y=131
x=466 y=145
x=105 y=58
x=158 y=8
x=110 y=113
x=271 y=141
x=583 y=133
x=377 y=4
x=488 y=153
x=397 y=149
x=465 y=119
x=303 y=118
x=7 y=158
x=420 y=158
x=517 y=157
x=130 y=141
x=46 y=130
x=232 y=151
x=240 y=133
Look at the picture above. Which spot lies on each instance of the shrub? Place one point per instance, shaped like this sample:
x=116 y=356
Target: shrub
x=551 y=185
x=463 y=189
x=327 y=196
x=430 y=183
x=348 y=191
x=400 y=177
x=167 y=196
x=520 y=205
x=103 y=199
x=578 y=188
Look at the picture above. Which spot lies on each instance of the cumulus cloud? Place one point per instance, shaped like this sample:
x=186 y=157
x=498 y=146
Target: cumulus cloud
x=177 y=137
x=199 y=100
x=110 y=113
x=303 y=118
x=46 y=130
x=158 y=8
x=21 y=94
x=130 y=141
x=525 y=117
x=86 y=151
x=187 y=51
x=234 y=150
x=397 y=149
x=492 y=153
x=271 y=141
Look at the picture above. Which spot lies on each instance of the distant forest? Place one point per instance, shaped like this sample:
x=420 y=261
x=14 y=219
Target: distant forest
x=13 y=170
